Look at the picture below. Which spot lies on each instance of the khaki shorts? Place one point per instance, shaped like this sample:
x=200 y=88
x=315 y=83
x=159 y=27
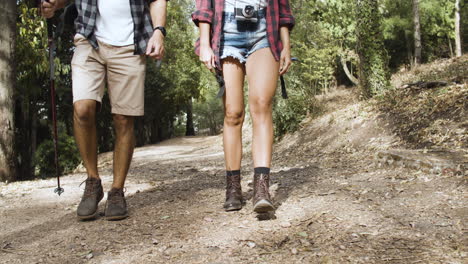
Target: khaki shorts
x=123 y=72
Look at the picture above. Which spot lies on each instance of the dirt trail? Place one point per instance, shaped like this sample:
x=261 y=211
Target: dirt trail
x=335 y=205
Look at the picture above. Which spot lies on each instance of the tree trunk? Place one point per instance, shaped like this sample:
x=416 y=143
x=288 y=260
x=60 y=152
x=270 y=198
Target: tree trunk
x=450 y=46
x=8 y=170
x=23 y=126
x=417 y=33
x=409 y=52
x=190 y=129
x=458 y=46
x=34 y=122
x=373 y=59
x=350 y=76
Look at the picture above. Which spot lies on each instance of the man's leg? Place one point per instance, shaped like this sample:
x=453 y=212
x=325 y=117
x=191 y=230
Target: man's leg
x=88 y=74
x=84 y=117
x=84 y=124
x=123 y=151
x=125 y=81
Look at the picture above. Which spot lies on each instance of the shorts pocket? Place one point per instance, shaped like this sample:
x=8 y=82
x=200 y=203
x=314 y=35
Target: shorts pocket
x=82 y=50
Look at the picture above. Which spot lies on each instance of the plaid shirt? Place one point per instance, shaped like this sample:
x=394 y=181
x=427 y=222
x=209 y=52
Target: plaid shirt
x=143 y=27
x=278 y=15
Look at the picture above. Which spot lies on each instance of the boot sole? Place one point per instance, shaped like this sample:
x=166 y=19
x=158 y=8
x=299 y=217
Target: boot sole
x=87 y=217
x=232 y=208
x=91 y=216
x=117 y=217
x=263 y=206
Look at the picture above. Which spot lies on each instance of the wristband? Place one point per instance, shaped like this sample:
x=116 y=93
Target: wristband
x=162 y=29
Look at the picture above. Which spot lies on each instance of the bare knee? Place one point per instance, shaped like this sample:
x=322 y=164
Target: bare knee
x=234 y=117
x=122 y=122
x=84 y=112
x=260 y=106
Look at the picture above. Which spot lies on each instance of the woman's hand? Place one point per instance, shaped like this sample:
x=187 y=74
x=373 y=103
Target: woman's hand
x=206 y=53
x=285 y=60
x=207 y=57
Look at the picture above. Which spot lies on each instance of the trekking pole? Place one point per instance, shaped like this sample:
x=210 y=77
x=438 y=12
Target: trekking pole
x=52 y=48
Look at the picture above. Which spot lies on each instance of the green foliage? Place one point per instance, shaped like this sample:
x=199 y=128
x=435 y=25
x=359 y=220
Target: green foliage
x=32 y=86
x=288 y=114
x=437 y=29
x=373 y=71
x=319 y=37
x=208 y=110
x=429 y=118
x=169 y=88
x=32 y=52
x=69 y=157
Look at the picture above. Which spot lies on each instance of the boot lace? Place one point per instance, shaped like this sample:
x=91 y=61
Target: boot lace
x=115 y=196
x=233 y=184
x=90 y=187
x=263 y=186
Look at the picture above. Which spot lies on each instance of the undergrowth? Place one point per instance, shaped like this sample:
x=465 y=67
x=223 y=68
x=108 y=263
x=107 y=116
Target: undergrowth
x=430 y=118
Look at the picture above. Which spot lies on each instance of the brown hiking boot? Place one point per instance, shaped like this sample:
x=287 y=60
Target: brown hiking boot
x=116 y=207
x=87 y=209
x=233 y=193
x=261 y=196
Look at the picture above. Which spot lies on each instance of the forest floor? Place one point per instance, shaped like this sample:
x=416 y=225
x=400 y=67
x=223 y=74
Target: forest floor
x=336 y=202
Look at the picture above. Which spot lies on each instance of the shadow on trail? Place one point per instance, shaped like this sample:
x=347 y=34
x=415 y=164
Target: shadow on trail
x=287 y=182
x=175 y=208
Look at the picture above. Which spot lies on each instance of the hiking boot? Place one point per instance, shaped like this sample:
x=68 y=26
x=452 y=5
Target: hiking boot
x=233 y=193
x=116 y=207
x=93 y=194
x=261 y=197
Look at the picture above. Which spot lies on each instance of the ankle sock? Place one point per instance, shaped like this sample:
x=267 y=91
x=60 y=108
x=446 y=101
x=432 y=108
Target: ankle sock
x=262 y=170
x=233 y=173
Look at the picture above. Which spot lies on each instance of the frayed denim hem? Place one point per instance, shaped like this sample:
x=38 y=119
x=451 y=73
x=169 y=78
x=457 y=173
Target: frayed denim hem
x=231 y=54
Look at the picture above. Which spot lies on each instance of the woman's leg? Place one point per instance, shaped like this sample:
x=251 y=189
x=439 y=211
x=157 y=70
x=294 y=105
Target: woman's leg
x=233 y=100
x=233 y=73
x=262 y=73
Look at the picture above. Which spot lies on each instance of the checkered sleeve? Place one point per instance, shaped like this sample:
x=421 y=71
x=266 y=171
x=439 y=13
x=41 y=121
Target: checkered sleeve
x=204 y=12
x=286 y=17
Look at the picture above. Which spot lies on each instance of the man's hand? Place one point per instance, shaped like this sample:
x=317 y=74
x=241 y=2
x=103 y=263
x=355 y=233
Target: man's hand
x=155 y=49
x=48 y=8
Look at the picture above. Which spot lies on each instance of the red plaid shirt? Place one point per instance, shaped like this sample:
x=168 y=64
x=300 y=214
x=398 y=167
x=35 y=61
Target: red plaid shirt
x=278 y=15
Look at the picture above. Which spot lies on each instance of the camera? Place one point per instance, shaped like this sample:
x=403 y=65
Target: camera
x=246 y=12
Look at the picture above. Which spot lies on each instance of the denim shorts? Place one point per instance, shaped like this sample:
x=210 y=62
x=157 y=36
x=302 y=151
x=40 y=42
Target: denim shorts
x=242 y=38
